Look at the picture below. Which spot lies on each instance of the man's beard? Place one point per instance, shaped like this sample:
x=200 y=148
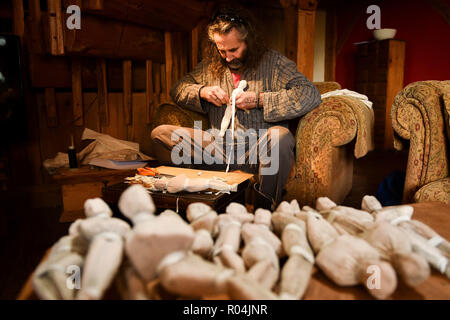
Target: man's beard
x=236 y=63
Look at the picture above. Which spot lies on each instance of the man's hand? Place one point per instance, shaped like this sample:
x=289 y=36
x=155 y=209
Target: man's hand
x=215 y=95
x=246 y=100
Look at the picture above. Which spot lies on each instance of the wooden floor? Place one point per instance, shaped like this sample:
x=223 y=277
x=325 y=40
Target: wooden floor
x=26 y=232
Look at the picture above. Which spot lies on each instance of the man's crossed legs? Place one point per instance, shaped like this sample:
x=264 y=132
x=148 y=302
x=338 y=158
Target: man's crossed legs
x=268 y=156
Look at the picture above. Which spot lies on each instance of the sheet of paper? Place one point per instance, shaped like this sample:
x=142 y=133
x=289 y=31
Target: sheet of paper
x=118 y=165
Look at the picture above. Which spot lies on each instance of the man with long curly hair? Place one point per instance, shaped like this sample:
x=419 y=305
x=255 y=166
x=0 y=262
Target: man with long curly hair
x=276 y=92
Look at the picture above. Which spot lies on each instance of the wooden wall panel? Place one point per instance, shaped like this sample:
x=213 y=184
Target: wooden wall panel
x=93 y=4
x=127 y=90
x=77 y=92
x=183 y=55
x=54 y=139
x=91 y=114
x=195 y=46
x=106 y=38
x=102 y=92
x=170 y=60
x=18 y=18
x=330 y=44
x=58 y=73
x=164 y=93
x=395 y=78
x=117 y=127
x=291 y=22
x=35 y=43
x=149 y=93
x=174 y=15
x=56 y=29
x=50 y=107
x=305 y=42
x=157 y=83
x=140 y=131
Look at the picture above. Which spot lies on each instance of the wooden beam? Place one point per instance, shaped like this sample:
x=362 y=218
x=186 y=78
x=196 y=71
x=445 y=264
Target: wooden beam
x=93 y=4
x=157 y=83
x=290 y=26
x=50 y=107
x=176 y=56
x=396 y=70
x=127 y=90
x=169 y=53
x=172 y=15
x=163 y=84
x=183 y=54
x=149 y=92
x=102 y=92
x=55 y=27
x=77 y=92
x=194 y=46
x=307 y=4
x=106 y=38
x=36 y=45
x=196 y=42
x=18 y=18
x=305 y=42
x=330 y=45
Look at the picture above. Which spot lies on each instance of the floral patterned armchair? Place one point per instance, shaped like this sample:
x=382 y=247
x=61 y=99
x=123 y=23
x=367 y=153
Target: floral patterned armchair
x=420 y=114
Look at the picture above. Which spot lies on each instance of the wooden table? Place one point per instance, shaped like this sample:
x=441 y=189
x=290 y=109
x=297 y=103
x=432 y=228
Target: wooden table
x=80 y=184
x=437 y=286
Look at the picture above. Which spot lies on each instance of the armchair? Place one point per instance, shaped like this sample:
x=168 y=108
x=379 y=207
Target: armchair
x=323 y=162
x=420 y=114
x=324 y=146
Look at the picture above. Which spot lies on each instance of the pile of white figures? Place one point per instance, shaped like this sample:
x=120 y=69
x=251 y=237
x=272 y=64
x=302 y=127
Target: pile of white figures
x=237 y=254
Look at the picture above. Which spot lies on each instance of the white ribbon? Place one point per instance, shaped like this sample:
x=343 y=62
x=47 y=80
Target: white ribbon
x=222 y=248
x=239 y=89
x=235 y=222
x=65 y=248
x=222 y=277
x=93 y=292
x=186 y=184
x=55 y=267
x=301 y=251
x=170 y=259
x=431 y=254
x=109 y=235
x=436 y=240
x=294 y=226
x=331 y=216
x=140 y=217
x=102 y=215
x=204 y=231
x=261 y=241
x=400 y=219
x=287 y=296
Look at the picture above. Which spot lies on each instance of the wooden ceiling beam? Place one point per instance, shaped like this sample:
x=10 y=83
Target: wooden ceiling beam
x=168 y=15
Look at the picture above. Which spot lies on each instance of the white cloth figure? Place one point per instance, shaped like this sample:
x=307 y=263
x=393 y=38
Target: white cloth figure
x=230 y=113
x=231 y=110
x=349 y=93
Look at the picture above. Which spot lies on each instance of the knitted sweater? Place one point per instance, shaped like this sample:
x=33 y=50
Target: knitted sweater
x=288 y=94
